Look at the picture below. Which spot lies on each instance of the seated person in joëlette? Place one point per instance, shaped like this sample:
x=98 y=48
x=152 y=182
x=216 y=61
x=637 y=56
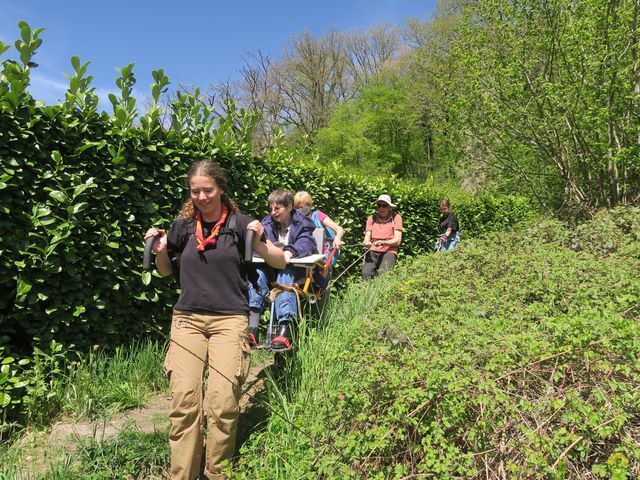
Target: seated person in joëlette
x=293 y=232
x=383 y=235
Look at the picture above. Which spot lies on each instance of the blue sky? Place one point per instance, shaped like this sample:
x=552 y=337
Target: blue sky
x=195 y=42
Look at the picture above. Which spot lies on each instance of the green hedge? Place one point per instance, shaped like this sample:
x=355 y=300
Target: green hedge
x=79 y=187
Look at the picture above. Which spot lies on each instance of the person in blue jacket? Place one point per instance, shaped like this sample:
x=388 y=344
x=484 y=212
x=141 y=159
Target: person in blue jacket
x=293 y=232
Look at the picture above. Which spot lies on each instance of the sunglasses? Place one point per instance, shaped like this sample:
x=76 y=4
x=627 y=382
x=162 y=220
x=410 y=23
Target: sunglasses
x=381 y=205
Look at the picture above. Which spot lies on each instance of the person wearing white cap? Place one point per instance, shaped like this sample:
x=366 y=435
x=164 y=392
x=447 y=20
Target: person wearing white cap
x=383 y=235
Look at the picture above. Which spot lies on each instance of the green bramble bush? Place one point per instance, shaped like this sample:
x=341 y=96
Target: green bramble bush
x=509 y=357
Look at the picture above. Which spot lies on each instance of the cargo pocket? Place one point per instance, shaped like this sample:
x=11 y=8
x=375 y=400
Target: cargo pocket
x=244 y=360
x=179 y=319
x=167 y=366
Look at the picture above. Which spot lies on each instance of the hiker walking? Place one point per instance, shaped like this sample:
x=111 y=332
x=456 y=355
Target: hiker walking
x=383 y=235
x=209 y=323
x=448 y=228
x=333 y=232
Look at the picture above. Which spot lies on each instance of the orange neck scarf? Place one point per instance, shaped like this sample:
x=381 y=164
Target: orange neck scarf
x=212 y=239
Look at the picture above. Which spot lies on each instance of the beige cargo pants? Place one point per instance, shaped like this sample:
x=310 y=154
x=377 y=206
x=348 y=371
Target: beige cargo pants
x=221 y=340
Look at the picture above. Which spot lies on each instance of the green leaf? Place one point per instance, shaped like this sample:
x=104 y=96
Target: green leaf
x=23 y=287
x=47 y=221
x=146 y=278
x=57 y=195
x=12 y=97
x=43 y=212
x=74 y=83
x=80 y=309
x=57 y=157
x=5 y=399
x=25 y=31
x=79 y=207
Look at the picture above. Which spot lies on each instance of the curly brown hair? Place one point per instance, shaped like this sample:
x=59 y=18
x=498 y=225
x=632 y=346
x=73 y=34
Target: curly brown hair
x=212 y=170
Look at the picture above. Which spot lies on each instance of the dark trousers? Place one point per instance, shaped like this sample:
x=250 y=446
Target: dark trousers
x=376 y=263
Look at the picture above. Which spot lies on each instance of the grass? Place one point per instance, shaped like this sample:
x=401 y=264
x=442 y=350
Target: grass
x=132 y=455
x=101 y=382
x=118 y=381
x=305 y=387
x=71 y=386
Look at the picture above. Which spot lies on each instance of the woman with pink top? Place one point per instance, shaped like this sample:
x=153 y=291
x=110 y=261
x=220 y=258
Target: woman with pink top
x=383 y=235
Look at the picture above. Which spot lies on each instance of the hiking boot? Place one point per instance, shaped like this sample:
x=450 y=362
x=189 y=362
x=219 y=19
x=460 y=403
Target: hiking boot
x=283 y=339
x=254 y=337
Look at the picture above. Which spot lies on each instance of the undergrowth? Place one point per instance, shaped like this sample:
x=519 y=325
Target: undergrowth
x=132 y=455
x=516 y=356
x=512 y=357
x=67 y=385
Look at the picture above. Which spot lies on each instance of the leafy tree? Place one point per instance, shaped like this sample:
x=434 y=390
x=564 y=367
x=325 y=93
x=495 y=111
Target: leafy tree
x=298 y=93
x=546 y=97
x=379 y=131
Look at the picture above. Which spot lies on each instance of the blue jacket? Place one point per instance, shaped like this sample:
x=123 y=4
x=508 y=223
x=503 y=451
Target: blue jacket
x=301 y=241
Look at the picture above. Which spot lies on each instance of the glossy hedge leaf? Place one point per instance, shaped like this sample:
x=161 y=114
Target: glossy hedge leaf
x=79 y=207
x=57 y=195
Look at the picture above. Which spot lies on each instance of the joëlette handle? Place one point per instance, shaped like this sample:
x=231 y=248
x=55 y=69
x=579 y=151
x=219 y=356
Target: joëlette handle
x=147 y=263
x=248 y=246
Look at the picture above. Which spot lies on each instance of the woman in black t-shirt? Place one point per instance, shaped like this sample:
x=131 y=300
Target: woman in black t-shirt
x=209 y=325
x=448 y=228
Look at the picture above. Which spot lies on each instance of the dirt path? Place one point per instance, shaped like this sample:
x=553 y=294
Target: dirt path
x=153 y=417
x=41 y=450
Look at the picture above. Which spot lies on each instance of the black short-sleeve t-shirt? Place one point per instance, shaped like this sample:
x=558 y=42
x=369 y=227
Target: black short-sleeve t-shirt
x=449 y=221
x=214 y=280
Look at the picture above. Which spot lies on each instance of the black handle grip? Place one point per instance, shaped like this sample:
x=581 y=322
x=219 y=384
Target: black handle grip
x=248 y=246
x=148 y=250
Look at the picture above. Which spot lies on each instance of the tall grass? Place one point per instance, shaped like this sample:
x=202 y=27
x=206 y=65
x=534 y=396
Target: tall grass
x=306 y=385
x=79 y=386
x=114 y=381
x=131 y=455
x=512 y=357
